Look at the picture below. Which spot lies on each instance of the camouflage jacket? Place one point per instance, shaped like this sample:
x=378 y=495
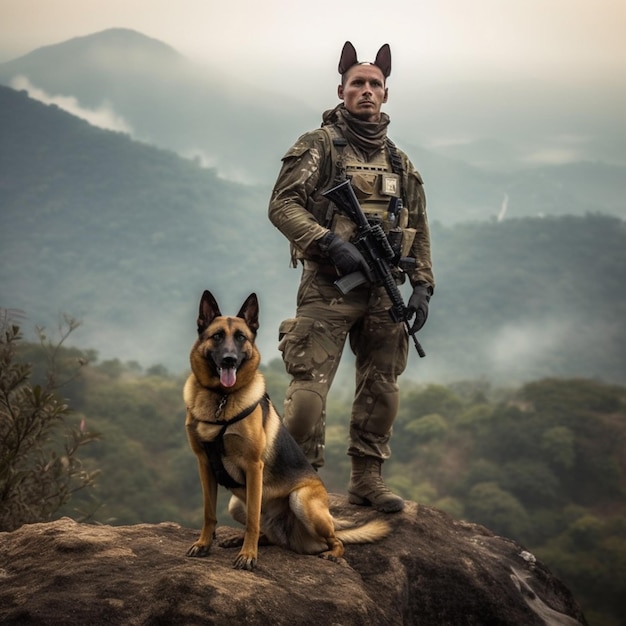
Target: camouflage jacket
x=297 y=207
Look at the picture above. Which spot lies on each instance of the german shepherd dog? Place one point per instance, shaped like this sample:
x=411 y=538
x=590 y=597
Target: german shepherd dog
x=241 y=443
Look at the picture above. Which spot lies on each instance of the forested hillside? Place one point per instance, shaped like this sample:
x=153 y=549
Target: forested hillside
x=121 y=234
x=544 y=463
x=529 y=298
x=126 y=237
x=166 y=99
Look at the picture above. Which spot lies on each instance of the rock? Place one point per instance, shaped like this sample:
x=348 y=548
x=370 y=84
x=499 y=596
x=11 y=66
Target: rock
x=432 y=570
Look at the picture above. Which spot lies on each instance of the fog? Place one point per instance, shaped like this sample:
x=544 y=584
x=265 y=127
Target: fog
x=103 y=117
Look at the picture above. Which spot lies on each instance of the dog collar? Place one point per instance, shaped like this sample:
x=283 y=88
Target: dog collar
x=220 y=410
x=264 y=400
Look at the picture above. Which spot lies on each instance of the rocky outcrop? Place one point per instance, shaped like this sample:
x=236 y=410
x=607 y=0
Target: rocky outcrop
x=432 y=570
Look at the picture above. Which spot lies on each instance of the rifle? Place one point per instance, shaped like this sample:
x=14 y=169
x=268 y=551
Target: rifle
x=372 y=243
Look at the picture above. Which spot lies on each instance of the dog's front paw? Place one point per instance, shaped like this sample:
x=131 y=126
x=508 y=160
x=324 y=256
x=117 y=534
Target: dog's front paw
x=245 y=561
x=199 y=549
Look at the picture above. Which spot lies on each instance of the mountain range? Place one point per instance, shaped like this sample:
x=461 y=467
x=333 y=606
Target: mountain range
x=160 y=97
x=125 y=234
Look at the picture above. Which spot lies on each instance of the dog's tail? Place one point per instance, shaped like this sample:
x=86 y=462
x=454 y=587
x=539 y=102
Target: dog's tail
x=371 y=531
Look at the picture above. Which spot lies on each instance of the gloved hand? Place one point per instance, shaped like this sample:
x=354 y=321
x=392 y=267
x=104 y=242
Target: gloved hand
x=344 y=255
x=418 y=305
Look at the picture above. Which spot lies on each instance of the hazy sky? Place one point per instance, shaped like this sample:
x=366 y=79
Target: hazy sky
x=568 y=40
x=551 y=71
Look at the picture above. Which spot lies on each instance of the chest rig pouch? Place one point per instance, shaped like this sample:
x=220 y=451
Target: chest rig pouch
x=378 y=186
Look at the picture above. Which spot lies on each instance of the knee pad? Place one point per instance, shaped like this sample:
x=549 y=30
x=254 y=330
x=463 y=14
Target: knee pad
x=304 y=411
x=375 y=410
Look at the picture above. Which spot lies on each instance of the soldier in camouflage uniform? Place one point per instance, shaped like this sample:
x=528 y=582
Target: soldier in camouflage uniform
x=351 y=143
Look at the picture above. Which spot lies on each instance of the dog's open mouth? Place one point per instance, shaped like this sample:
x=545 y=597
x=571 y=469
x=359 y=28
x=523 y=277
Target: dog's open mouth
x=228 y=376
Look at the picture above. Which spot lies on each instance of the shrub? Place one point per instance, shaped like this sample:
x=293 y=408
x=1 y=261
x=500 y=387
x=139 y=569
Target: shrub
x=39 y=464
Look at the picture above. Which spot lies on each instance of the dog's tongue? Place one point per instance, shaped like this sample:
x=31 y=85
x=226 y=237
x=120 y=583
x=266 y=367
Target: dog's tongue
x=228 y=376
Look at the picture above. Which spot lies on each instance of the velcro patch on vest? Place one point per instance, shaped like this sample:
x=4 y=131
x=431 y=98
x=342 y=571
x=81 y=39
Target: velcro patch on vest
x=390 y=185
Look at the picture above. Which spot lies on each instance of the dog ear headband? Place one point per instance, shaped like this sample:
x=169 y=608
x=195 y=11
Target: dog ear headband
x=348 y=59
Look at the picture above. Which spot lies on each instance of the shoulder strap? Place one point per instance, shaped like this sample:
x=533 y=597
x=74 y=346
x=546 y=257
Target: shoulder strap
x=396 y=163
x=337 y=143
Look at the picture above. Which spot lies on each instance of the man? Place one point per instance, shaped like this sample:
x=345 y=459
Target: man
x=351 y=143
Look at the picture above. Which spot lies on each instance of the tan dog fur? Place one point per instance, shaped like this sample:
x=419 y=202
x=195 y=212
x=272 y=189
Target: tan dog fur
x=277 y=492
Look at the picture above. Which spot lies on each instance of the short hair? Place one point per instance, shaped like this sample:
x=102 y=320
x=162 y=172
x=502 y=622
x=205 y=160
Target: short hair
x=343 y=76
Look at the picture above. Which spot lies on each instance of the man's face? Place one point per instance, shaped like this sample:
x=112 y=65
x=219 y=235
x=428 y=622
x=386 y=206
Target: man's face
x=363 y=92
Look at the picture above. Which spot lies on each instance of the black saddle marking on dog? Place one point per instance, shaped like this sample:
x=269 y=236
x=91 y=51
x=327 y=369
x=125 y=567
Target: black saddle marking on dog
x=215 y=450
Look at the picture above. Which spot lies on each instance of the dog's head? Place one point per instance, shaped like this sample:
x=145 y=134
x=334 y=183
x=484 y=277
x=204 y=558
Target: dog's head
x=225 y=355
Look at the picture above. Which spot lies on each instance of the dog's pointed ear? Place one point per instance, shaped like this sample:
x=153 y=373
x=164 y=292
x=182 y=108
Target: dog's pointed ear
x=347 y=58
x=209 y=310
x=383 y=60
x=250 y=312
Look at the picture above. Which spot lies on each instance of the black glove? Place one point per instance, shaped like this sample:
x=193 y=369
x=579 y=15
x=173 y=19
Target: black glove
x=418 y=305
x=344 y=255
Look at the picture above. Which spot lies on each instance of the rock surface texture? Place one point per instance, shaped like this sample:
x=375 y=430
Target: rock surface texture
x=431 y=570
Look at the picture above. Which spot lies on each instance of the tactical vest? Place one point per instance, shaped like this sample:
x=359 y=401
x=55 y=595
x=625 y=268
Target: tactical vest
x=378 y=184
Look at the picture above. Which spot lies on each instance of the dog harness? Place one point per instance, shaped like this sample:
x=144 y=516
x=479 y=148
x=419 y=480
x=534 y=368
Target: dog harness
x=215 y=450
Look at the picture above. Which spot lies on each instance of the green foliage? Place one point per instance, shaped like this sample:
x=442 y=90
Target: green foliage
x=480 y=471
x=40 y=469
x=531 y=481
x=428 y=400
x=590 y=554
x=497 y=508
x=428 y=428
x=142 y=417
x=476 y=417
x=558 y=445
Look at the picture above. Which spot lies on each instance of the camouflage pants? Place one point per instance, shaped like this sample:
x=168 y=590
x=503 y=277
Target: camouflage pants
x=312 y=344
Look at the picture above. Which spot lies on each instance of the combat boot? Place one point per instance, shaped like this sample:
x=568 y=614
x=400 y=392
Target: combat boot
x=367 y=487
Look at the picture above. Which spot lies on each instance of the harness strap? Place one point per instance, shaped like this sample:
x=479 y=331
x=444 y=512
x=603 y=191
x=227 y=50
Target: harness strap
x=396 y=163
x=215 y=450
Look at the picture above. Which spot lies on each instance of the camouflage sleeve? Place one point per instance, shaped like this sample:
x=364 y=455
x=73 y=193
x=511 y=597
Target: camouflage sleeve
x=298 y=178
x=418 y=219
